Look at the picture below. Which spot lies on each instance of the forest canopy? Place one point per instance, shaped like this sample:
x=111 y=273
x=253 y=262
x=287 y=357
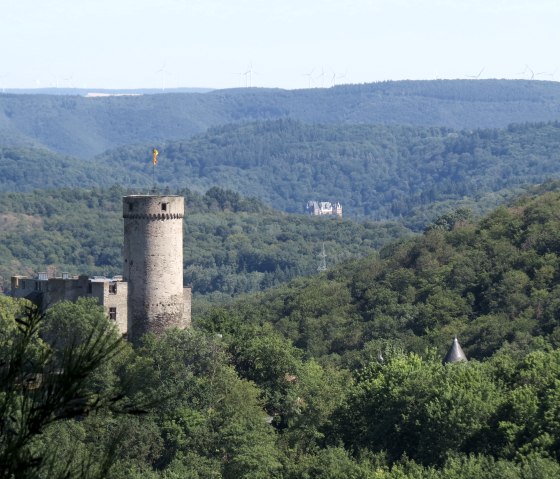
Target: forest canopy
x=84 y=127
x=378 y=172
x=232 y=244
x=337 y=375
x=289 y=371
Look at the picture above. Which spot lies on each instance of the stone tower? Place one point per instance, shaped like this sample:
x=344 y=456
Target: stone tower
x=153 y=264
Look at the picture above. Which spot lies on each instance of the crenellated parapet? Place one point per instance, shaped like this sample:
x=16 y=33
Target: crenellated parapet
x=153 y=217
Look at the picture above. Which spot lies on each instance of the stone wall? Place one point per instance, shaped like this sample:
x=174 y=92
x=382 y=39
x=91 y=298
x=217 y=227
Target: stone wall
x=46 y=292
x=187 y=298
x=114 y=296
x=153 y=263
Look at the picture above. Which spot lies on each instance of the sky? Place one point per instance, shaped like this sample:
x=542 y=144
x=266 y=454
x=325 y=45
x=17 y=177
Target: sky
x=287 y=44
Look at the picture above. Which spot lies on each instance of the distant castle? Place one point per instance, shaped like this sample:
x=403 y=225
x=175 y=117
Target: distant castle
x=150 y=296
x=320 y=208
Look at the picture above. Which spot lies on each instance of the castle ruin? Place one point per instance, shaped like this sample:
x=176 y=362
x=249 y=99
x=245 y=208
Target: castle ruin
x=149 y=296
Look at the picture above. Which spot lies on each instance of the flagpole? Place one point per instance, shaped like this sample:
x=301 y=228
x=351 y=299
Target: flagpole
x=154 y=163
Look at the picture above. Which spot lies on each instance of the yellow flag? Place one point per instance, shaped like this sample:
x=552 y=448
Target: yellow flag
x=155 y=153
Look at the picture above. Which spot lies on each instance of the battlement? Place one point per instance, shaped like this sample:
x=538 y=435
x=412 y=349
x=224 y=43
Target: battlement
x=153 y=217
x=153 y=206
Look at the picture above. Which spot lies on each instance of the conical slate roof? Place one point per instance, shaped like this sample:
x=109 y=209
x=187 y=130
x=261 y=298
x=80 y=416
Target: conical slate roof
x=455 y=353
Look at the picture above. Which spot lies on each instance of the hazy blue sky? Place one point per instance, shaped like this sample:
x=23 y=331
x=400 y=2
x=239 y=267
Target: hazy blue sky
x=285 y=43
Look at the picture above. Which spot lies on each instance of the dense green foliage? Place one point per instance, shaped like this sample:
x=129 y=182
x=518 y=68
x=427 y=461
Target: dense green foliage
x=25 y=169
x=335 y=375
x=232 y=244
x=43 y=383
x=339 y=376
x=380 y=172
x=494 y=283
x=87 y=126
x=376 y=172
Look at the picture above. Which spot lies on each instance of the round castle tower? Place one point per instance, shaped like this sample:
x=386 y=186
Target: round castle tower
x=153 y=263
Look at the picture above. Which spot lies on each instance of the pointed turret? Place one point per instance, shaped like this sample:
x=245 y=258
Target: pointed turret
x=455 y=353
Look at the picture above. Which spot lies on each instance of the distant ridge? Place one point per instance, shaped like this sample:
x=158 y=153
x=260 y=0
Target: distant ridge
x=65 y=122
x=380 y=172
x=106 y=91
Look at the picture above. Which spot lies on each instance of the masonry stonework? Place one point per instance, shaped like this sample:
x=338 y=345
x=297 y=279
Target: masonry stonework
x=149 y=297
x=153 y=264
x=45 y=292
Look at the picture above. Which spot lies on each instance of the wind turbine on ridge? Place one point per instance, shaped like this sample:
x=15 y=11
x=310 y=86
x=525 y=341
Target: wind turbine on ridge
x=528 y=69
x=55 y=80
x=547 y=74
x=322 y=77
x=163 y=72
x=249 y=73
x=67 y=81
x=476 y=77
x=309 y=76
x=335 y=77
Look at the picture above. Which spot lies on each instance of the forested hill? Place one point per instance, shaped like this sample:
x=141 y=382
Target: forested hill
x=377 y=172
x=380 y=172
x=232 y=244
x=26 y=169
x=338 y=372
x=335 y=376
x=84 y=127
x=494 y=283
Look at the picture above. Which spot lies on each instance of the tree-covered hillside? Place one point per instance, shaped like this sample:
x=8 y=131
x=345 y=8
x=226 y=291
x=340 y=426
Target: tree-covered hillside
x=232 y=244
x=336 y=376
x=379 y=172
x=494 y=283
x=84 y=127
x=26 y=169
x=376 y=172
